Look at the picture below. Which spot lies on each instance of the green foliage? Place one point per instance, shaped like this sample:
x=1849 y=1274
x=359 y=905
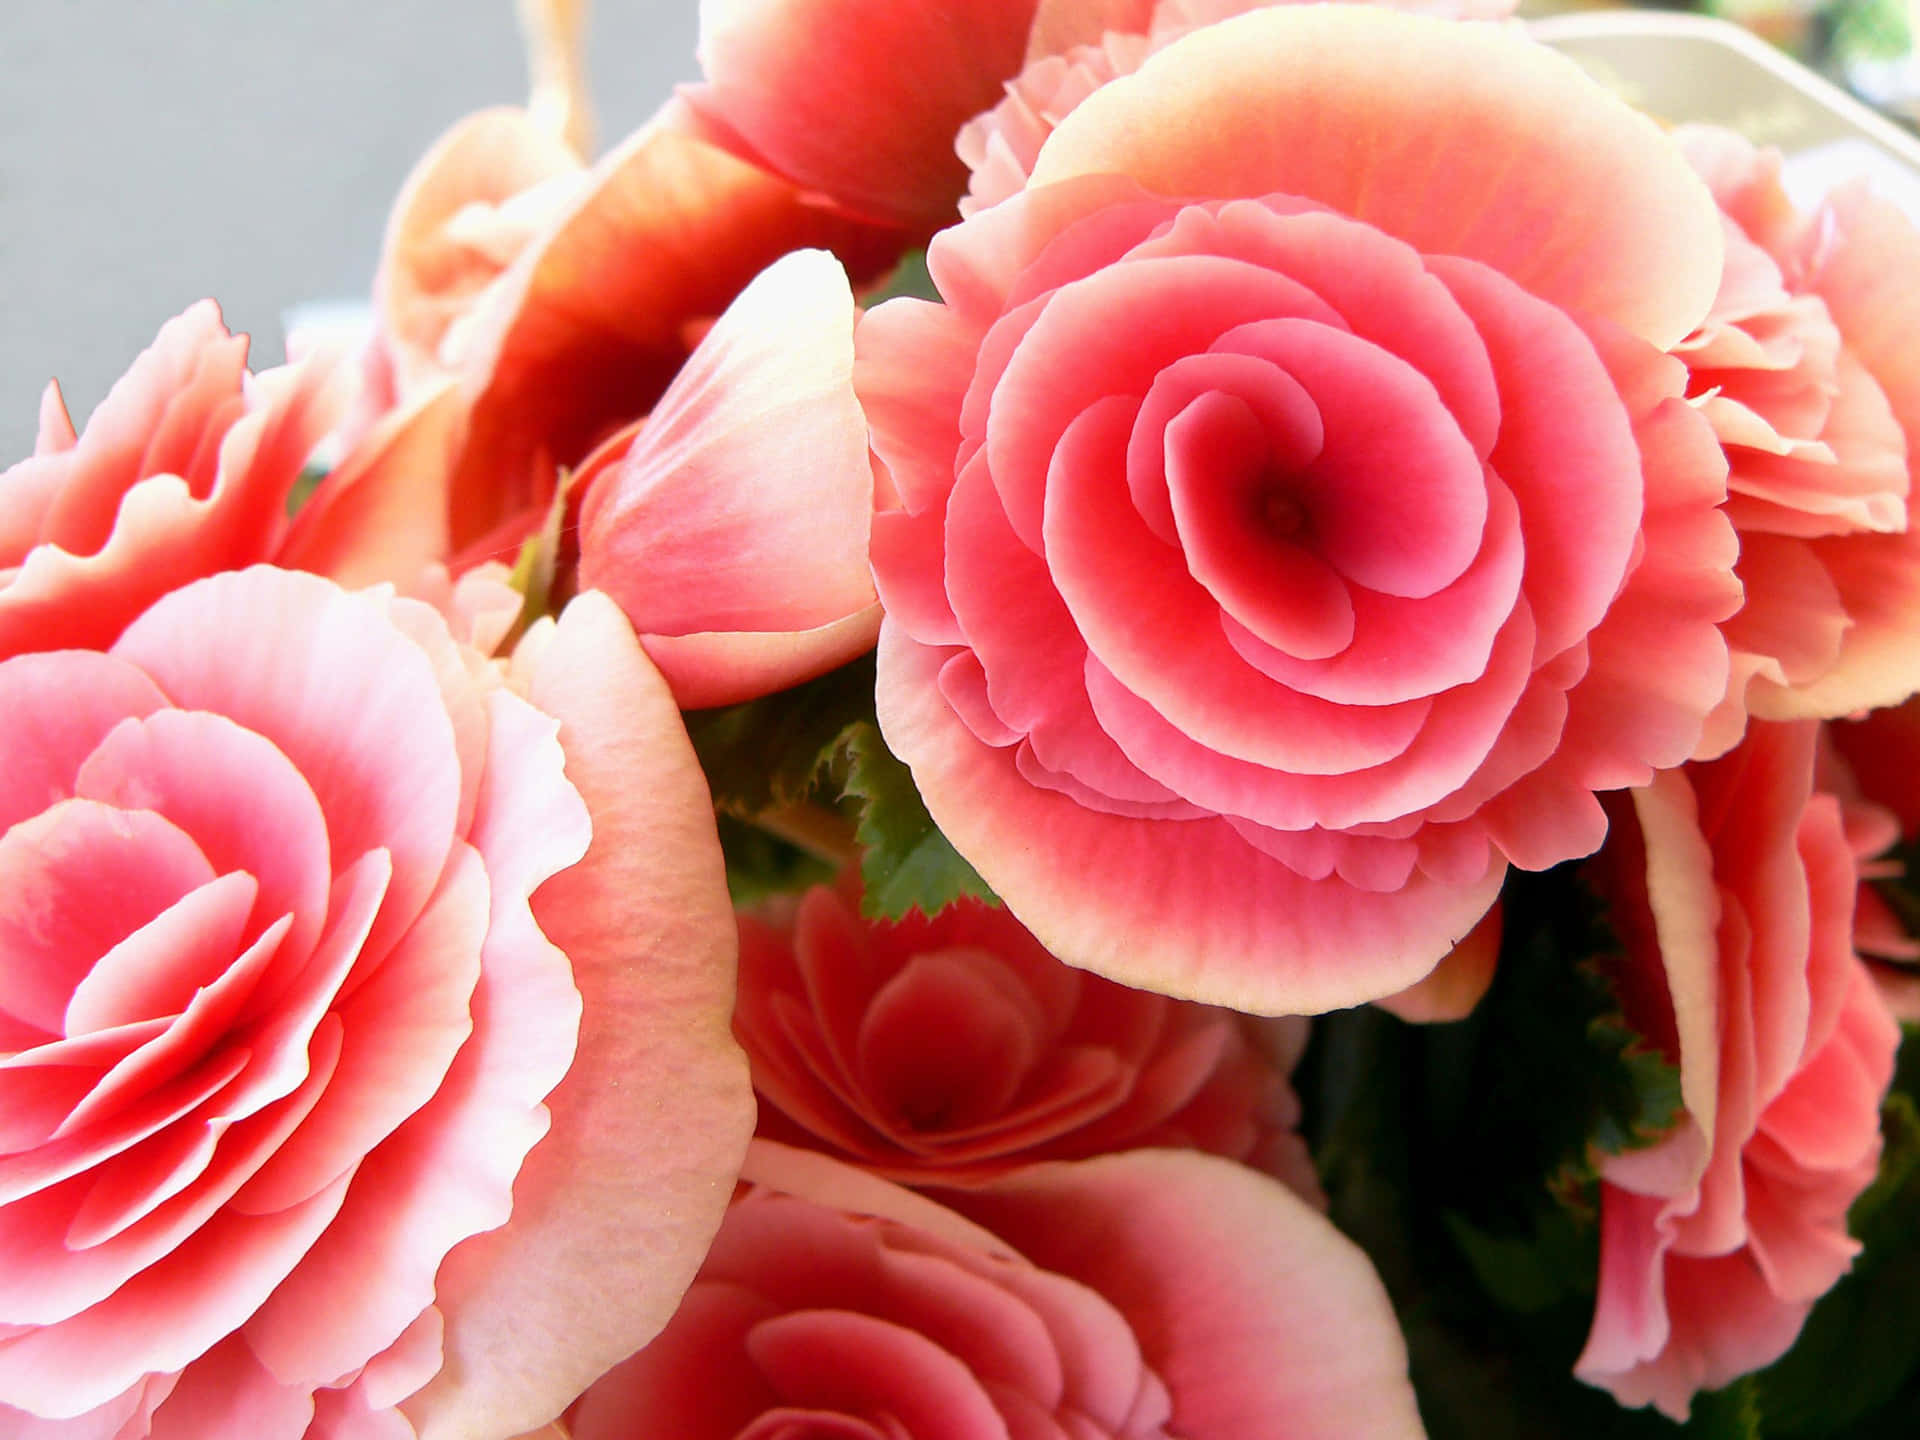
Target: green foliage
x=908 y=864
x=304 y=484
x=774 y=752
x=909 y=278
x=791 y=769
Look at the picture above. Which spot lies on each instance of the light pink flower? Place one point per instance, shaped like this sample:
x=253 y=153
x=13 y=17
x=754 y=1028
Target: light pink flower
x=1732 y=888
x=731 y=524
x=1806 y=367
x=184 y=469
x=1872 y=764
x=1274 y=567
x=315 y=929
x=950 y=1051
x=1138 y=1296
x=1000 y=145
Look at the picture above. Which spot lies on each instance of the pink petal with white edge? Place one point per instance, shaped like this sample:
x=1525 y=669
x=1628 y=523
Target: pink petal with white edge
x=54 y=708
x=1476 y=142
x=1194 y=912
x=614 y=1210
x=743 y=504
x=1264 y=1322
x=349 y=698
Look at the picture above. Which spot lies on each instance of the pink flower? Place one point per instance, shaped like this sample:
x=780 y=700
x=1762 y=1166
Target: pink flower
x=1733 y=892
x=1806 y=367
x=1000 y=145
x=731 y=524
x=311 y=940
x=1872 y=765
x=184 y=470
x=1299 y=521
x=1132 y=1297
x=949 y=1051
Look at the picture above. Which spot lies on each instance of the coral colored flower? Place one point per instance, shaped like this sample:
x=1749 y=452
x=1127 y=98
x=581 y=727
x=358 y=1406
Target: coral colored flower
x=184 y=470
x=731 y=524
x=949 y=1051
x=1138 y=1296
x=1806 y=366
x=342 y=984
x=1299 y=521
x=1872 y=764
x=1733 y=891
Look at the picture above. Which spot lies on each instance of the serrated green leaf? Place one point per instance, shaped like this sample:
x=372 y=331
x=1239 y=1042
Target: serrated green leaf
x=774 y=752
x=907 y=863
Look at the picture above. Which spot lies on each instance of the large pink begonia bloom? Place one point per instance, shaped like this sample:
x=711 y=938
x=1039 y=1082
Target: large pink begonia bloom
x=731 y=524
x=1138 y=1296
x=1732 y=887
x=1807 y=368
x=1273 y=571
x=952 y=1050
x=363 y=1027
x=183 y=470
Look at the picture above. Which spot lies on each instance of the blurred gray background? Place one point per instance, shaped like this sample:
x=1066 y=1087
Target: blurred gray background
x=156 y=151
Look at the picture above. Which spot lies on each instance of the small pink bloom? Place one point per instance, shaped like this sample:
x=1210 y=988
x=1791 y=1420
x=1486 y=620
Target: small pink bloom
x=1299 y=521
x=1733 y=892
x=1138 y=1296
x=950 y=1051
x=182 y=471
x=1806 y=367
x=731 y=524
x=342 y=986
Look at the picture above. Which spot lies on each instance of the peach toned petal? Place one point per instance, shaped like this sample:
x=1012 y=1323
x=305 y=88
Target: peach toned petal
x=590 y=1266
x=1457 y=982
x=1059 y=25
x=744 y=501
x=228 y=1392
x=455 y=226
x=815 y=91
x=1108 y=898
x=380 y=516
x=56 y=432
x=1456 y=121
x=586 y=328
x=1264 y=1322
x=1878 y=580
x=721 y=668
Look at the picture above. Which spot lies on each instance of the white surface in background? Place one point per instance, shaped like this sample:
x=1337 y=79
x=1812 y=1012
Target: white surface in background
x=156 y=151
x=1809 y=174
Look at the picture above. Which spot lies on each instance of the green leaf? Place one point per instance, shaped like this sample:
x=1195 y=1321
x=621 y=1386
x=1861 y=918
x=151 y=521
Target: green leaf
x=908 y=278
x=304 y=484
x=908 y=864
x=774 y=752
x=760 y=864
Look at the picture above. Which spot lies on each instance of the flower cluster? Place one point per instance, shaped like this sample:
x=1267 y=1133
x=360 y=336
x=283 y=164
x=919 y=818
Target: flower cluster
x=755 y=856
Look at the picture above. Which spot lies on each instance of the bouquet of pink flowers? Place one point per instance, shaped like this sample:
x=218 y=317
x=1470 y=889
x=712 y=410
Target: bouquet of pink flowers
x=729 y=831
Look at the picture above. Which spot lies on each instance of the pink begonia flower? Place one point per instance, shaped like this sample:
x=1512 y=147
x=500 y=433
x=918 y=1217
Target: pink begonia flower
x=1873 y=765
x=1732 y=885
x=731 y=524
x=1138 y=1296
x=950 y=1051
x=184 y=469
x=1223 y=692
x=347 y=989
x=1000 y=145
x=1806 y=366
